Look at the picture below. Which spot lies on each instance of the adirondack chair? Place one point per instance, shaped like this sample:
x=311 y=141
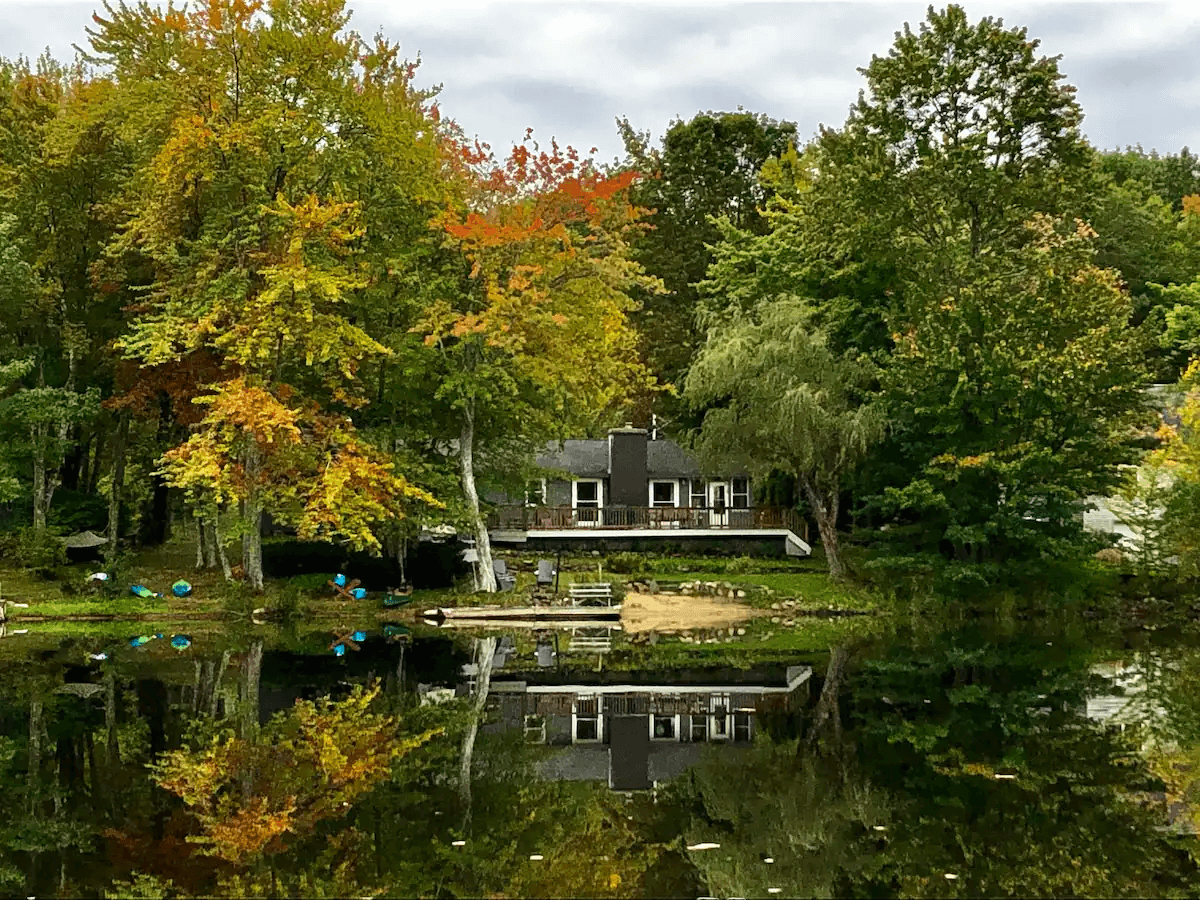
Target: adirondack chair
x=504 y=581
x=545 y=572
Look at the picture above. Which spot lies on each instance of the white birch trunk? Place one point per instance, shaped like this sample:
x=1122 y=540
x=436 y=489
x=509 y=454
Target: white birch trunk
x=485 y=575
x=485 y=651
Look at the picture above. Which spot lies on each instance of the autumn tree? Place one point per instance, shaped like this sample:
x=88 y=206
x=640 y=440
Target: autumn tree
x=250 y=793
x=260 y=118
x=535 y=338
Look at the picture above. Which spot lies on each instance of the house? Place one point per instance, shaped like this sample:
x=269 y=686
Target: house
x=628 y=492
x=633 y=730
x=1126 y=519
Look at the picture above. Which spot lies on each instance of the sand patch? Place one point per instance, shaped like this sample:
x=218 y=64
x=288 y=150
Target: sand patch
x=680 y=612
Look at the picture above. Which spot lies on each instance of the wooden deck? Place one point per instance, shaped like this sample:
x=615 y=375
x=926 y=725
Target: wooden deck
x=647 y=518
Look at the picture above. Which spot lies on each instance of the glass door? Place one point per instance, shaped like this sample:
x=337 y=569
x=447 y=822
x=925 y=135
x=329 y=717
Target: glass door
x=718 y=504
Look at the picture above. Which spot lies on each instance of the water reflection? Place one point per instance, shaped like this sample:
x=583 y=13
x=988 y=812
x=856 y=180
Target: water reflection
x=971 y=760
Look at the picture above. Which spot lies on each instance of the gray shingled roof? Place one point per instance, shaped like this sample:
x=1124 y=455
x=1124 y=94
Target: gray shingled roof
x=589 y=459
x=668 y=458
x=584 y=459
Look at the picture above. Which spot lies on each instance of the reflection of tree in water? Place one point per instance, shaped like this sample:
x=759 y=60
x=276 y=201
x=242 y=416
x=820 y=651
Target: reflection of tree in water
x=909 y=793
x=938 y=721
x=790 y=815
x=335 y=798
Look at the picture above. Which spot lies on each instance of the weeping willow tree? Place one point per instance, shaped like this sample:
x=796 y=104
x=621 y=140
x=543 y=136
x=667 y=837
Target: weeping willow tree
x=780 y=399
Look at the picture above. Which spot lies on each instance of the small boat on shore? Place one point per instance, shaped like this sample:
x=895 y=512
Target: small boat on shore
x=395 y=601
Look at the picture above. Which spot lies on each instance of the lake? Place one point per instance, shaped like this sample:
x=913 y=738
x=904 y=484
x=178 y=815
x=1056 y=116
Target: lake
x=908 y=756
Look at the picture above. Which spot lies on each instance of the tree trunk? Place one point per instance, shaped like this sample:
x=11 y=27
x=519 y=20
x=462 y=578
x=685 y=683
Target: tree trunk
x=112 y=745
x=253 y=513
x=251 y=676
x=35 y=753
x=827 y=720
x=212 y=545
x=825 y=510
x=485 y=651
x=215 y=540
x=201 y=550
x=154 y=524
x=93 y=469
x=252 y=548
x=215 y=688
x=485 y=575
x=74 y=472
x=41 y=490
x=118 y=482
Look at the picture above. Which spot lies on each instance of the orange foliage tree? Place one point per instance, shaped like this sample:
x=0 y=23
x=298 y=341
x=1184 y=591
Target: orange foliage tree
x=536 y=339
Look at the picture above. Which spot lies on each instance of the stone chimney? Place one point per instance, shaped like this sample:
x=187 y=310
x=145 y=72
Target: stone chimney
x=627 y=472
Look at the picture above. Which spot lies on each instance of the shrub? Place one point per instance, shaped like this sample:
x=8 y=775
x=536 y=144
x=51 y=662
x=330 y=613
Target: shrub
x=312 y=583
x=40 y=551
x=740 y=565
x=635 y=565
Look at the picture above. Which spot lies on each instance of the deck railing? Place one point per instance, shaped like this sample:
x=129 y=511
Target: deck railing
x=559 y=518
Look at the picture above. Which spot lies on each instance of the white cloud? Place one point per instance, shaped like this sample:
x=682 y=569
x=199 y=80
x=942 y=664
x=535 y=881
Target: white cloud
x=570 y=68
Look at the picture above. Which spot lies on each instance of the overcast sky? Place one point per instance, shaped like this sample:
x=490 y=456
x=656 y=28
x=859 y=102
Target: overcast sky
x=569 y=69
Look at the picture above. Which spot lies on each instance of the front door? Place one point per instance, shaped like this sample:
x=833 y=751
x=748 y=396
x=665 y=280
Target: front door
x=718 y=504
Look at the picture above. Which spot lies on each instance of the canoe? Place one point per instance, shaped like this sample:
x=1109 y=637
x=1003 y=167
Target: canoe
x=393 y=601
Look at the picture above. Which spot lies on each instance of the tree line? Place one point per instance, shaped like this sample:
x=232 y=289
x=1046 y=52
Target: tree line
x=249 y=269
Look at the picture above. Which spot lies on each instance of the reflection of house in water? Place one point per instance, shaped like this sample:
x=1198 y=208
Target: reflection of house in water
x=634 y=729
x=1121 y=705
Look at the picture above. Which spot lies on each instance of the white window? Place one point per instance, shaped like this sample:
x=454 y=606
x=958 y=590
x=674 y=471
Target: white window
x=535 y=729
x=664 y=493
x=587 y=497
x=535 y=492
x=699 y=728
x=698 y=498
x=587 y=494
x=587 y=723
x=664 y=728
x=741 y=493
x=741 y=726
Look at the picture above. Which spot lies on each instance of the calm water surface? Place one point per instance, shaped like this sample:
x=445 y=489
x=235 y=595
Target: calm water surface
x=966 y=759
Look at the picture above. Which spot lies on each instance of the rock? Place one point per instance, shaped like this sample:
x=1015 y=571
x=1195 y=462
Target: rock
x=595 y=553
x=775 y=620
x=741 y=631
x=790 y=623
x=731 y=632
x=776 y=606
x=740 y=594
x=652 y=586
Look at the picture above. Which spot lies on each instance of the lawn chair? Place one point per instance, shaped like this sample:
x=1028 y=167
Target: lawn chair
x=545 y=572
x=504 y=581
